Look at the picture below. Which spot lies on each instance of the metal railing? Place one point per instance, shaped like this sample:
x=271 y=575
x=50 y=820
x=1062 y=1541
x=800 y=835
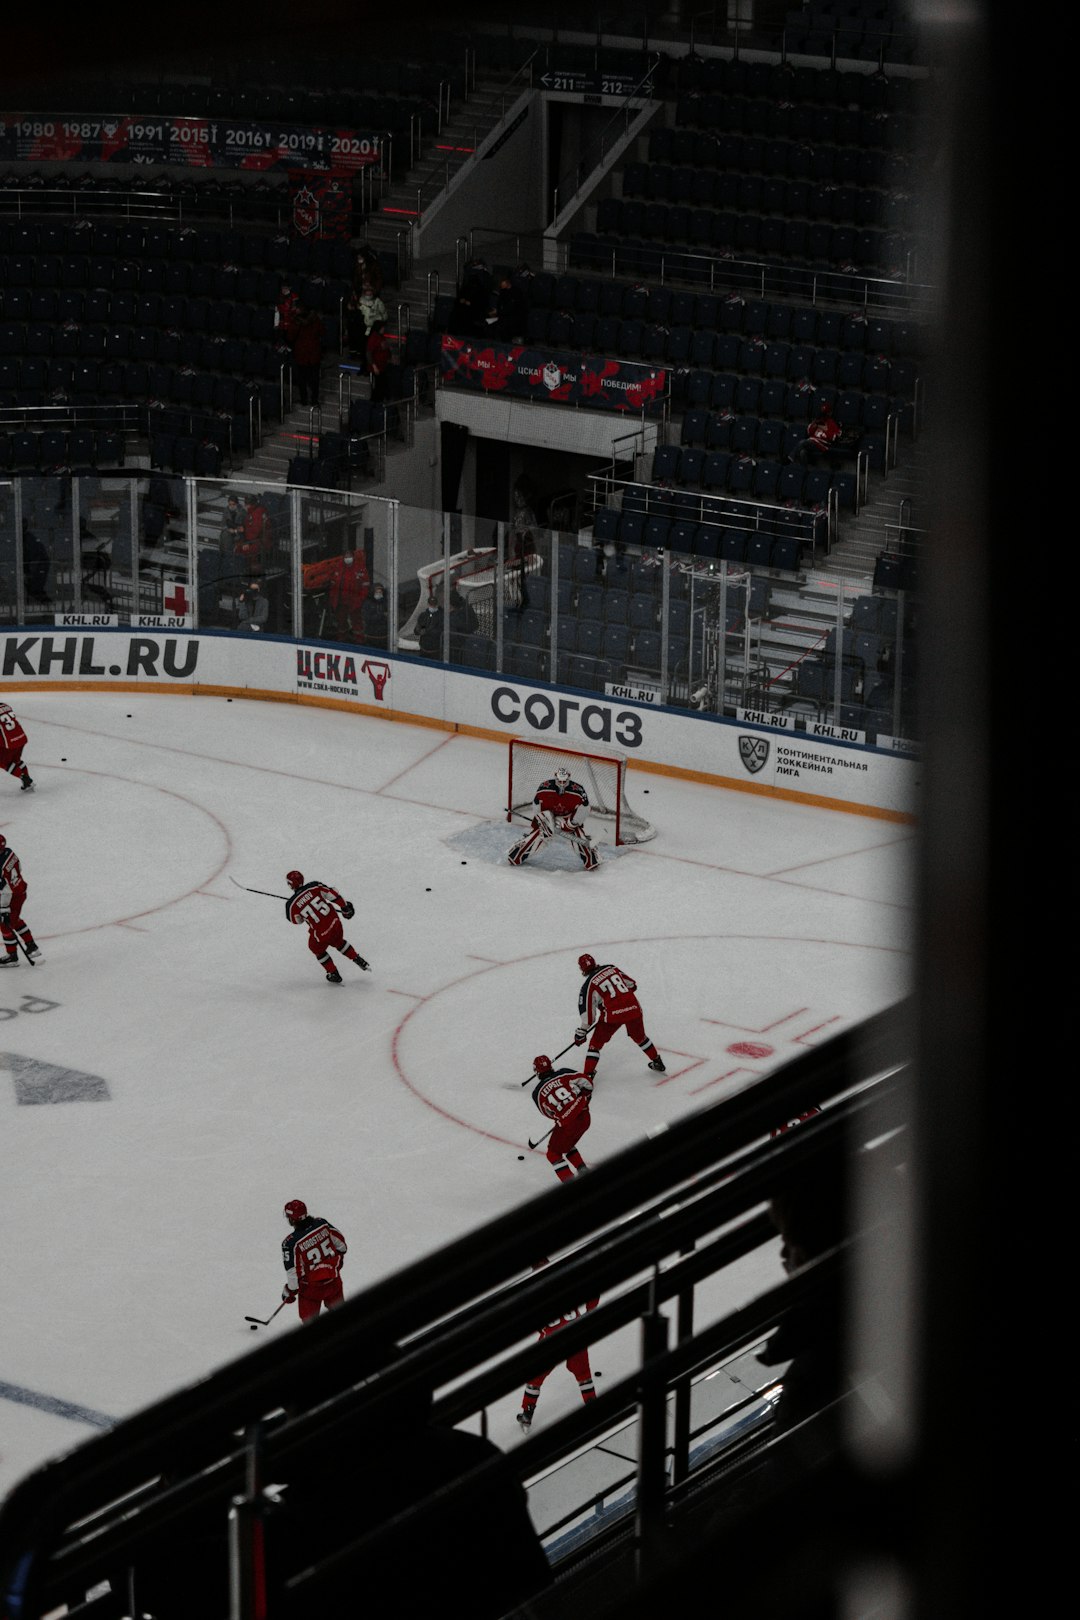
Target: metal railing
x=614 y=131
x=78 y=202
x=707 y=272
x=666 y=1218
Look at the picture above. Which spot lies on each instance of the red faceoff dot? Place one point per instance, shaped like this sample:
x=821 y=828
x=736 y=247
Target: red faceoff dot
x=751 y=1049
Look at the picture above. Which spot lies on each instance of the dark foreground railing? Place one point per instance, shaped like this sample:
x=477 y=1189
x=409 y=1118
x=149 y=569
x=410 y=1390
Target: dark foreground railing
x=298 y=1478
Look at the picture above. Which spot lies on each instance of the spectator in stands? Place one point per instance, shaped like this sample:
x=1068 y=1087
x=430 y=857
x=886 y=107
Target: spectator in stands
x=372 y=310
x=378 y=361
x=375 y=617
x=810 y=1213
x=431 y=627
x=256 y=543
x=521 y=544
x=252 y=608
x=285 y=314
x=329 y=1502
x=822 y=436
x=463 y=621
x=355 y=331
x=477 y=284
x=309 y=335
x=232 y=528
x=36 y=563
x=512 y=312
x=368 y=268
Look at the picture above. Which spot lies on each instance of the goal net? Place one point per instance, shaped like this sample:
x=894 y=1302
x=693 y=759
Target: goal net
x=473 y=574
x=601 y=772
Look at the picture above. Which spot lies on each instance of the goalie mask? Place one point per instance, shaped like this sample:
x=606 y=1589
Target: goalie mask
x=562 y=777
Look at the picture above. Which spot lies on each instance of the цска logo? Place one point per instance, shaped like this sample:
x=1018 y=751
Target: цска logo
x=754 y=753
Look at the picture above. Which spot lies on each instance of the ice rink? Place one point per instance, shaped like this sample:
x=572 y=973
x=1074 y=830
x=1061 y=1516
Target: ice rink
x=176 y=1066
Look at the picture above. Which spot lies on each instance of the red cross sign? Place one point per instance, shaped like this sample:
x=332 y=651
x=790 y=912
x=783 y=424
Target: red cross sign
x=176 y=601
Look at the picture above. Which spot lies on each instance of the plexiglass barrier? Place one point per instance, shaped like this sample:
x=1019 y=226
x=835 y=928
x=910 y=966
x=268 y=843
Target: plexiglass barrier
x=648 y=624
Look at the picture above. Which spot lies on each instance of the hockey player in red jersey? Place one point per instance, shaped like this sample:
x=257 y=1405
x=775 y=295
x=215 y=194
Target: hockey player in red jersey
x=12 y=743
x=561 y=807
x=312 y=1254
x=322 y=908
x=12 y=898
x=607 y=1002
x=578 y=1363
x=563 y=1095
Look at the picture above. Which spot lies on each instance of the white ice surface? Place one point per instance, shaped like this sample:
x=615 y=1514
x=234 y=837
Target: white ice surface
x=142 y=1228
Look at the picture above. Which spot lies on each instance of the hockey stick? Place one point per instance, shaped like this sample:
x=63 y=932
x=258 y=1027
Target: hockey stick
x=267 y=892
x=25 y=952
x=257 y=1321
x=540 y=1141
x=554 y=830
x=558 y=1055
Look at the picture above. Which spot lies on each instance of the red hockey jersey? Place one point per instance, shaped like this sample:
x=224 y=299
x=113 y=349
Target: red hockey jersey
x=574 y=1314
x=313 y=904
x=312 y=1253
x=562 y=803
x=557 y=1098
x=12 y=882
x=607 y=994
x=12 y=735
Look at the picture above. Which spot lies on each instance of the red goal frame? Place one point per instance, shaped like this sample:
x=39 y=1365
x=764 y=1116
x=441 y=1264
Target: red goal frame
x=601 y=771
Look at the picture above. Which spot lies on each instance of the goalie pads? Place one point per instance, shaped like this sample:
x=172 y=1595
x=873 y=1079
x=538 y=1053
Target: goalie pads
x=538 y=834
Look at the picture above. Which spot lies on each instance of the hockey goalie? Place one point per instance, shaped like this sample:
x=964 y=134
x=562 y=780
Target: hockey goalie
x=560 y=805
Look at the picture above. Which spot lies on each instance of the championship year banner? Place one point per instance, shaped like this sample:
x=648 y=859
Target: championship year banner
x=204 y=143
x=562 y=379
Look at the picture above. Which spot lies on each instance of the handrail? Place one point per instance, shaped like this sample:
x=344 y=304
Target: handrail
x=581 y=170
x=661 y=1201
x=437 y=184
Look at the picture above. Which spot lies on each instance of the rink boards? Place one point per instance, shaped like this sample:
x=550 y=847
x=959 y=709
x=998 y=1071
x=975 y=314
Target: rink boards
x=781 y=756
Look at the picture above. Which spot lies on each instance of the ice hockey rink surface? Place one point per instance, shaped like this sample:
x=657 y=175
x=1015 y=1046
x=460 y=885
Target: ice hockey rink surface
x=176 y=1067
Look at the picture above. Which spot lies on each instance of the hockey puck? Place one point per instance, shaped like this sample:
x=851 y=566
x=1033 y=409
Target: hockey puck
x=254 y=1327
x=521 y=1156
x=464 y=863
x=427 y=891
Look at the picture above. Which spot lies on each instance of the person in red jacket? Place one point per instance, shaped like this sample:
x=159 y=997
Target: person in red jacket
x=345 y=581
x=257 y=544
x=312 y=1255
x=13 y=930
x=308 y=336
x=578 y=1363
x=822 y=436
x=12 y=743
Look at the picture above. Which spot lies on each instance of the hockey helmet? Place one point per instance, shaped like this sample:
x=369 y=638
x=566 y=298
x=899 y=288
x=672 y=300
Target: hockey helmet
x=295 y=880
x=541 y=1065
x=587 y=963
x=562 y=776
x=295 y=1210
